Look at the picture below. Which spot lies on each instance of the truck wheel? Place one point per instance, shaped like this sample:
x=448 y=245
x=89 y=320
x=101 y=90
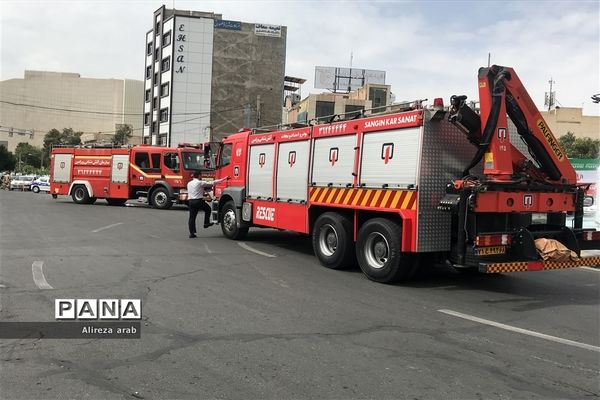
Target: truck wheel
x=229 y=223
x=332 y=241
x=116 y=202
x=160 y=199
x=54 y=196
x=35 y=189
x=92 y=200
x=378 y=252
x=80 y=195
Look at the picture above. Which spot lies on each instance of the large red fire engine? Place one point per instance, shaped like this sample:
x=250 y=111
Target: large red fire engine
x=394 y=190
x=160 y=174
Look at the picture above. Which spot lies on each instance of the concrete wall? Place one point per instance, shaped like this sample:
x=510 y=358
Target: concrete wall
x=565 y=119
x=133 y=98
x=246 y=65
x=42 y=100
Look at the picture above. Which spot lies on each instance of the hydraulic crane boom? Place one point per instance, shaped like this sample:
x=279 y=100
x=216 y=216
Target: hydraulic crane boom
x=501 y=93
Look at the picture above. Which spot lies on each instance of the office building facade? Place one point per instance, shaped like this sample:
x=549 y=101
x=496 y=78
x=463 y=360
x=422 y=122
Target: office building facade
x=206 y=77
x=45 y=100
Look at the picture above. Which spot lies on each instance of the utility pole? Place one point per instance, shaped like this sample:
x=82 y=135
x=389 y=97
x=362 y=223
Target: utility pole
x=247 y=112
x=258 y=111
x=550 y=95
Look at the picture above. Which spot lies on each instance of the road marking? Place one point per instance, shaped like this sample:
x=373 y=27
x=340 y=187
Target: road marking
x=521 y=330
x=38 y=275
x=106 y=227
x=591 y=269
x=209 y=251
x=262 y=253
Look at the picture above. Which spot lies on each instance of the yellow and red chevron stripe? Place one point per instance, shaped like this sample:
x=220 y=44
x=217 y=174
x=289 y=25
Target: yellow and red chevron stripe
x=537 y=265
x=372 y=198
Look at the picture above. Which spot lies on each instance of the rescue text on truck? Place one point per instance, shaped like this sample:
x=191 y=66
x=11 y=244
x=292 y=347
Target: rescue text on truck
x=394 y=191
x=117 y=174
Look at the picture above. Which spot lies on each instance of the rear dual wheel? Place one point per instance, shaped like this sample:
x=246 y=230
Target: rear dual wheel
x=379 y=254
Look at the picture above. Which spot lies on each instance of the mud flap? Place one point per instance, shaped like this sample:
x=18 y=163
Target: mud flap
x=214 y=212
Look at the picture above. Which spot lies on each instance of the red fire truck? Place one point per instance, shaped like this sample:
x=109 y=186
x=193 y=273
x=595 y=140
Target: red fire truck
x=160 y=174
x=391 y=191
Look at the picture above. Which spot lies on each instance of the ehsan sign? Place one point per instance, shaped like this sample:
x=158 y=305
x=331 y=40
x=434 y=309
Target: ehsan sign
x=98 y=309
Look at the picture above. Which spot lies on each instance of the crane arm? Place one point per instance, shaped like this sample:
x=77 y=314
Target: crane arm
x=502 y=95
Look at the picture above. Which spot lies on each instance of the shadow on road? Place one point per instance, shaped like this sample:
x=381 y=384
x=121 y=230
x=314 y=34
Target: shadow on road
x=525 y=289
x=529 y=290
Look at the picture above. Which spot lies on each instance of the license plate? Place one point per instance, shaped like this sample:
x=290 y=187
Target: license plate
x=491 y=250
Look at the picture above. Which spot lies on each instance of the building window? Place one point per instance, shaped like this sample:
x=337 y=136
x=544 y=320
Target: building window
x=155 y=103
x=155 y=78
x=165 y=64
x=148 y=71
x=166 y=39
x=162 y=140
x=157 y=29
x=324 y=110
x=378 y=97
x=149 y=49
x=148 y=95
x=147 y=119
x=154 y=127
x=164 y=89
x=156 y=54
x=302 y=117
x=164 y=115
x=353 y=110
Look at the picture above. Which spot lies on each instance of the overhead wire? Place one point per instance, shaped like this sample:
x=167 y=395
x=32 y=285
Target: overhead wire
x=86 y=111
x=204 y=114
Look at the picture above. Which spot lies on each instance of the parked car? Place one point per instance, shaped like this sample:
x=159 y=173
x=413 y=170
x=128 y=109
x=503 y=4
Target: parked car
x=21 y=182
x=41 y=184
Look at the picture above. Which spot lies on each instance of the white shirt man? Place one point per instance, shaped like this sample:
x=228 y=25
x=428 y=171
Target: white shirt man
x=196 y=189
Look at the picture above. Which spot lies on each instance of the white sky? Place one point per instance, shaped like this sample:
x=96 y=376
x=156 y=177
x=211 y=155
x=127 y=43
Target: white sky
x=428 y=48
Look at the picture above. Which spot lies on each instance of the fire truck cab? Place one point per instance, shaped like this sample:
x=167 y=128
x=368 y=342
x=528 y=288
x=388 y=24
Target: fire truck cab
x=117 y=174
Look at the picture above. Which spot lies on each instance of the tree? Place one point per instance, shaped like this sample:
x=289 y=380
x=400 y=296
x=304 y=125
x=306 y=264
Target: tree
x=27 y=154
x=580 y=147
x=7 y=159
x=55 y=138
x=122 y=135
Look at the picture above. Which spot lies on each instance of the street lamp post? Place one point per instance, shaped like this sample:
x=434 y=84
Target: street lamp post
x=21 y=159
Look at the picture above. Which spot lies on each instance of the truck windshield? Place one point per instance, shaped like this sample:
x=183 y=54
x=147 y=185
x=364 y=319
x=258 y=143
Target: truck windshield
x=193 y=160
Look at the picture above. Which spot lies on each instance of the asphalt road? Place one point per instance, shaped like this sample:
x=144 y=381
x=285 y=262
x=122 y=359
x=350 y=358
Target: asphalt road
x=263 y=320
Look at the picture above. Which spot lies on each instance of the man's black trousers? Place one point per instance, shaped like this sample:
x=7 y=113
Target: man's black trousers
x=195 y=206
